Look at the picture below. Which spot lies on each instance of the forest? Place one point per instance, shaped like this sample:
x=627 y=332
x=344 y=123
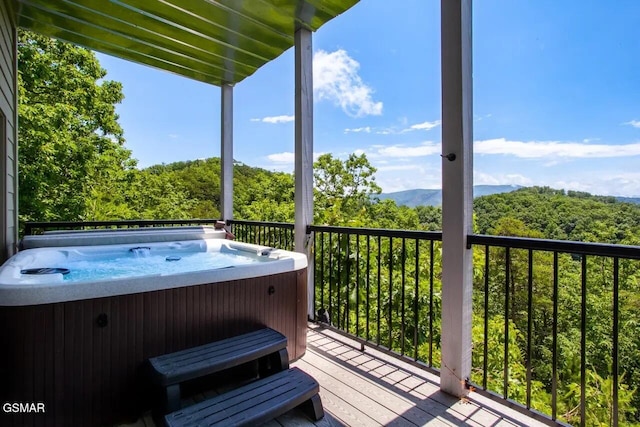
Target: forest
x=74 y=166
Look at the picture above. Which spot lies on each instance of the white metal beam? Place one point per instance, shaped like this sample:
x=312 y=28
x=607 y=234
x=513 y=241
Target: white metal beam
x=304 y=152
x=457 y=194
x=226 y=152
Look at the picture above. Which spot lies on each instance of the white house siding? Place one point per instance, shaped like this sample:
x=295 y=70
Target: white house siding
x=8 y=131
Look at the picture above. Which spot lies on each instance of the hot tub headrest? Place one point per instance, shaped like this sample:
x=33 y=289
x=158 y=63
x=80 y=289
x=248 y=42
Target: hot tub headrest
x=60 y=238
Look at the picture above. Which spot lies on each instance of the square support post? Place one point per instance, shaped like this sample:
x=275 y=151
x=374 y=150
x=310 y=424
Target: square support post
x=457 y=194
x=304 y=153
x=226 y=152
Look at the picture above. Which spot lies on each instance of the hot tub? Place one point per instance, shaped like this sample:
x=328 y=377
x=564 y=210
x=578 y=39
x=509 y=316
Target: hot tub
x=75 y=333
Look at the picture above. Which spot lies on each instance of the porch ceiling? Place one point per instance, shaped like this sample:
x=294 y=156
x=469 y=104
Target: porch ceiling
x=213 y=41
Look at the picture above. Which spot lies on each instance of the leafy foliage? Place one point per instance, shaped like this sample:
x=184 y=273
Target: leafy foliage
x=70 y=140
x=344 y=190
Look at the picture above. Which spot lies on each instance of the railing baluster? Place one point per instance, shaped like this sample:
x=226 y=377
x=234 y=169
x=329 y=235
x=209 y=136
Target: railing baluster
x=529 y=322
x=583 y=343
x=379 y=278
x=416 y=315
x=615 y=368
x=507 y=272
x=368 y=281
x=315 y=275
x=347 y=299
x=390 y=322
x=554 y=350
x=331 y=314
x=357 y=285
x=322 y=270
x=339 y=284
x=402 y=316
x=485 y=356
x=431 y=264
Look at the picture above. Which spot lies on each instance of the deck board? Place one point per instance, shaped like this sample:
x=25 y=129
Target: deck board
x=372 y=388
x=380 y=385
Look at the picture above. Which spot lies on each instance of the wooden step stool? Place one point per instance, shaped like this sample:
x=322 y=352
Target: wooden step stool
x=170 y=370
x=254 y=403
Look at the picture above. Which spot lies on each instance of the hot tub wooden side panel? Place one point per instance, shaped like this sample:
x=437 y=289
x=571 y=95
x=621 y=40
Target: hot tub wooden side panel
x=88 y=372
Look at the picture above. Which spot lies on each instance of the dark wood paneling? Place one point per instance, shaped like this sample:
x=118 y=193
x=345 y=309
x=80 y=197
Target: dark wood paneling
x=88 y=374
x=301 y=314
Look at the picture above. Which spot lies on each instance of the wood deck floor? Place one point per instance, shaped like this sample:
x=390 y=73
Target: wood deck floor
x=374 y=389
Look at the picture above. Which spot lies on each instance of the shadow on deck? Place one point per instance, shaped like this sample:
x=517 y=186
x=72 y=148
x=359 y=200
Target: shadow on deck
x=371 y=388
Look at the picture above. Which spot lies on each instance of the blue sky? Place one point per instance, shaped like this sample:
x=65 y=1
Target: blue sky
x=556 y=97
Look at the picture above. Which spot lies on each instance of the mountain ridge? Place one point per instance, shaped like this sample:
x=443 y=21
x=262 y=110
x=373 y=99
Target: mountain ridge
x=433 y=196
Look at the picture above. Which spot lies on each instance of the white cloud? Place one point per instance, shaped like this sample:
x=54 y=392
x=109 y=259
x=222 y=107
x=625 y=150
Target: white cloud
x=480 y=118
x=634 y=123
x=482 y=178
x=335 y=78
x=425 y=149
x=366 y=129
x=540 y=149
x=275 y=119
x=286 y=157
x=603 y=183
x=174 y=136
x=394 y=130
x=394 y=168
x=423 y=126
x=619 y=184
x=398 y=152
x=411 y=177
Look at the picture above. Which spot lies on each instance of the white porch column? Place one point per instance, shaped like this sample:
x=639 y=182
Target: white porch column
x=226 y=152
x=304 y=152
x=457 y=194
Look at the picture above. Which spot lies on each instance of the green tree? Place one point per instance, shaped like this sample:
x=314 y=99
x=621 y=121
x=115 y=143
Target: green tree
x=71 y=145
x=344 y=190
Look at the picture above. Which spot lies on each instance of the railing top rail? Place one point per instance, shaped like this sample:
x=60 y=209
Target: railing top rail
x=32 y=225
x=286 y=225
x=383 y=232
x=579 y=248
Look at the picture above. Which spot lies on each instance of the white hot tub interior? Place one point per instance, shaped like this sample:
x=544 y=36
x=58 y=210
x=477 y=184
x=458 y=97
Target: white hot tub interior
x=101 y=263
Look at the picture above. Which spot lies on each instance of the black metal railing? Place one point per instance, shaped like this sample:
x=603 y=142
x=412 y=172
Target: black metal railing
x=33 y=227
x=555 y=323
x=548 y=314
x=275 y=234
x=382 y=287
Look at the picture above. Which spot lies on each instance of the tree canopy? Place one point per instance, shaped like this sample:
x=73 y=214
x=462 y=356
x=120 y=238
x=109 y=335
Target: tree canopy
x=69 y=136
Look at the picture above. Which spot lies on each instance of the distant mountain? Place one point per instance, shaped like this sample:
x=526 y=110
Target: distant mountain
x=634 y=200
x=433 y=197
